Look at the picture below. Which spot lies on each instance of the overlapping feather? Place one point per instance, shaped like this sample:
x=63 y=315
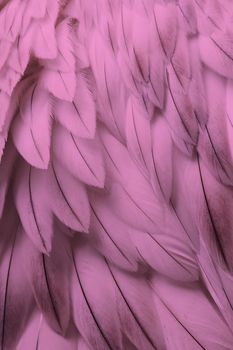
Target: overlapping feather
x=116 y=174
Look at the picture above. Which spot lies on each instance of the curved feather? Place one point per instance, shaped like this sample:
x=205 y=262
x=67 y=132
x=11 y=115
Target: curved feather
x=32 y=127
x=31 y=143
x=69 y=199
x=214 y=56
x=81 y=157
x=166 y=254
x=78 y=116
x=110 y=235
x=64 y=61
x=111 y=93
x=136 y=96
x=38 y=335
x=45 y=45
x=162 y=154
x=139 y=322
x=48 y=277
x=5 y=101
x=6 y=167
x=61 y=84
x=9 y=21
x=138 y=135
x=8 y=79
x=19 y=56
x=166 y=25
x=189 y=331
x=31 y=199
x=131 y=193
x=188 y=14
x=93 y=292
x=180 y=114
x=16 y=302
x=213 y=144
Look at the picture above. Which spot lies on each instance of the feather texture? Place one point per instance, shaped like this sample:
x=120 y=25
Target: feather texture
x=116 y=129
x=38 y=225
x=81 y=157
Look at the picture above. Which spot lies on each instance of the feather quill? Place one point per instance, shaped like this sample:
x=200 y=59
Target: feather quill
x=16 y=302
x=69 y=199
x=81 y=157
x=93 y=293
x=48 y=278
x=78 y=116
x=188 y=330
x=31 y=200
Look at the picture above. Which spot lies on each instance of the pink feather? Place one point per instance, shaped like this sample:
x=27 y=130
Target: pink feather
x=81 y=157
x=116 y=159
x=38 y=225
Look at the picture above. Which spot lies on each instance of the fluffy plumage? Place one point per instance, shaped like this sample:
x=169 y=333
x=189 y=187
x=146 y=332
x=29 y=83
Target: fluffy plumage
x=116 y=175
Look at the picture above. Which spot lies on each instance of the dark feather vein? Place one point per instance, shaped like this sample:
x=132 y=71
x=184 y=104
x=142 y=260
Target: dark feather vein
x=142 y=257
x=212 y=285
x=63 y=57
x=160 y=39
x=210 y=214
x=135 y=203
x=50 y=292
x=18 y=52
x=156 y=173
x=106 y=150
x=139 y=65
x=171 y=256
x=144 y=102
x=182 y=325
x=125 y=189
x=216 y=154
x=109 y=100
x=89 y=306
x=131 y=310
x=6 y=290
x=184 y=15
x=106 y=231
x=33 y=210
x=65 y=198
x=178 y=218
x=138 y=142
x=176 y=107
x=77 y=111
x=37 y=341
x=230 y=121
x=133 y=79
x=66 y=88
x=76 y=146
x=211 y=19
x=177 y=75
x=36 y=147
x=152 y=85
x=110 y=38
x=32 y=97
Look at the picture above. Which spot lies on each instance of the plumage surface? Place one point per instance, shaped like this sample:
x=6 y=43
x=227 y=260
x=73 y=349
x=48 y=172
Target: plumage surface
x=116 y=174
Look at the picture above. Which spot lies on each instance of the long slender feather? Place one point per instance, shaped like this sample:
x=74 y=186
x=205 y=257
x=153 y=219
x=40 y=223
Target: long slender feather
x=16 y=302
x=31 y=196
x=69 y=200
x=48 y=277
